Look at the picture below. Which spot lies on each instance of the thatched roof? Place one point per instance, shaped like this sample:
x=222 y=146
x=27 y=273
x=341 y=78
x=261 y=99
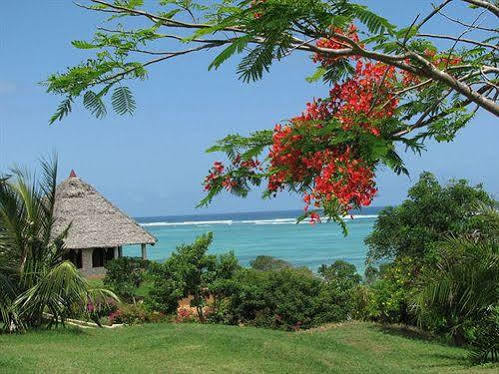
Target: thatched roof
x=95 y=222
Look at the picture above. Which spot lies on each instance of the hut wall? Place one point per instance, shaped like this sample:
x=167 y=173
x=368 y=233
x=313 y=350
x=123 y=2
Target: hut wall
x=87 y=268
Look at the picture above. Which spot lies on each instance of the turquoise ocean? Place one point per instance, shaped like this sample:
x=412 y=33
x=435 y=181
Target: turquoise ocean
x=263 y=233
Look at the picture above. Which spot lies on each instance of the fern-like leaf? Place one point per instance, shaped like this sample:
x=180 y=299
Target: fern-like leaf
x=236 y=47
x=374 y=23
x=94 y=104
x=63 y=110
x=255 y=63
x=123 y=101
x=82 y=44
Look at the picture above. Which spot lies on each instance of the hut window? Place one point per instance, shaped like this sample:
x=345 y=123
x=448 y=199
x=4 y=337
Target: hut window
x=98 y=257
x=109 y=254
x=101 y=255
x=75 y=257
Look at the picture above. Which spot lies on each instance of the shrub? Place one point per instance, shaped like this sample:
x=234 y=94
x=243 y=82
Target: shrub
x=266 y=263
x=387 y=298
x=460 y=289
x=289 y=298
x=132 y=314
x=485 y=341
x=125 y=274
x=190 y=272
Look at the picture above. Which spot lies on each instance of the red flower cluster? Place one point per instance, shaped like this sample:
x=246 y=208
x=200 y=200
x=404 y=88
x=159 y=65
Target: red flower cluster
x=335 y=43
x=219 y=175
x=335 y=173
x=332 y=171
x=215 y=175
x=367 y=97
x=256 y=2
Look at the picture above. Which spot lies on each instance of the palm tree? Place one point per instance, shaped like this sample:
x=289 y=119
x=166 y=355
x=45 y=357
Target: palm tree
x=36 y=284
x=465 y=283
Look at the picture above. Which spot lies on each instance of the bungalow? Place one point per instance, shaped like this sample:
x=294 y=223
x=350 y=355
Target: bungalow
x=97 y=229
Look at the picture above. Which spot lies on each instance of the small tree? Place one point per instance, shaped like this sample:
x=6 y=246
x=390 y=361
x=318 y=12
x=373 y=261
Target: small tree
x=190 y=272
x=340 y=272
x=431 y=213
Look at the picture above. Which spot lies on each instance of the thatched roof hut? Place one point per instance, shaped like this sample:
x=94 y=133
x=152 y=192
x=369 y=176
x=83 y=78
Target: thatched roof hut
x=95 y=222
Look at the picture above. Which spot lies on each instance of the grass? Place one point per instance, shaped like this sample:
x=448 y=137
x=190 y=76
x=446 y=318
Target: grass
x=354 y=347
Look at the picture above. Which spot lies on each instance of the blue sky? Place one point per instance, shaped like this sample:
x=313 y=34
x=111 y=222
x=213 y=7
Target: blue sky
x=153 y=163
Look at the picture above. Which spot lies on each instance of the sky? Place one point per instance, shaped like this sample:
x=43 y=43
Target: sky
x=153 y=163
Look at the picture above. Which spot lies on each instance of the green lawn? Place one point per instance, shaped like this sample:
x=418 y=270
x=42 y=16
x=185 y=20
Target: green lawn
x=192 y=348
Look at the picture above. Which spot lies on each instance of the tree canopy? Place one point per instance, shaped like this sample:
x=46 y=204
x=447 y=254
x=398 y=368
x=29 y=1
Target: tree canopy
x=431 y=214
x=388 y=84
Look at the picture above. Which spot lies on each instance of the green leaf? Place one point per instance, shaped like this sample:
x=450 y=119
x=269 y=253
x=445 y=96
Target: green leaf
x=123 y=101
x=318 y=74
x=374 y=23
x=82 y=44
x=236 y=47
x=94 y=103
x=255 y=63
x=132 y=4
x=63 y=110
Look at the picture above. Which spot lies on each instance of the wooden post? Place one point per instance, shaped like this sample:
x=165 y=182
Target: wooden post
x=144 y=251
x=116 y=253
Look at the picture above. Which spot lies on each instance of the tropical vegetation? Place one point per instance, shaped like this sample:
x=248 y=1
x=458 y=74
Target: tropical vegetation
x=385 y=85
x=37 y=286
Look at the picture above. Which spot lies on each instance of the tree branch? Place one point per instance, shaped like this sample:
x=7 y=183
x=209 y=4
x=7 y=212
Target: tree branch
x=485 y=4
x=435 y=11
x=467 y=24
x=448 y=37
x=457 y=85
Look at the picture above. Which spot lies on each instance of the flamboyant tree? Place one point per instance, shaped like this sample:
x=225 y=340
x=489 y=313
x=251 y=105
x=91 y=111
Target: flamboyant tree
x=387 y=85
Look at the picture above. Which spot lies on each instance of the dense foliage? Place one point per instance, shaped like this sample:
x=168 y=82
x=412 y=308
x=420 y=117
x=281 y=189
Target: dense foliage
x=190 y=272
x=286 y=298
x=431 y=213
x=443 y=276
x=36 y=285
x=389 y=85
x=124 y=275
x=268 y=263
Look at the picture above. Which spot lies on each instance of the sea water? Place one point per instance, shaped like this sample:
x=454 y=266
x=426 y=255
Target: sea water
x=263 y=233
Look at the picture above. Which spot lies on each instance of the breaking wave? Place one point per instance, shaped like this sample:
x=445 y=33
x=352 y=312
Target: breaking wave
x=275 y=221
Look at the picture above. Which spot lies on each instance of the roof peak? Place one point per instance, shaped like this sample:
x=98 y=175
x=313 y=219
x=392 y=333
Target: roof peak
x=72 y=174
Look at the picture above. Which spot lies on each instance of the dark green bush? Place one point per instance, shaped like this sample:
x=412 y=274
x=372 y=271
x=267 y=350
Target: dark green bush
x=266 y=263
x=125 y=274
x=485 y=340
x=289 y=298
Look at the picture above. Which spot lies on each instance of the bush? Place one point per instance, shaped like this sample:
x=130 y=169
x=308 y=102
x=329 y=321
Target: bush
x=190 y=272
x=266 y=263
x=387 y=296
x=132 y=314
x=289 y=298
x=125 y=275
x=485 y=340
x=461 y=288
